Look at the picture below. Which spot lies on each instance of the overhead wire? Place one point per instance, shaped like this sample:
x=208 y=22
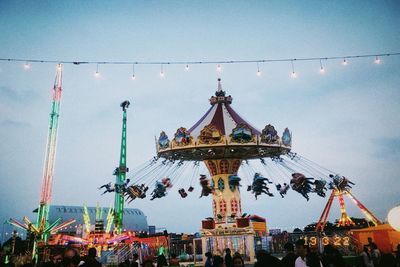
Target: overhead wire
x=299 y=167
x=285 y=170
x=195 y=172
x=320 y=166
x=155 y=174
x=147 y=165
x=176 y=174
x=304 y=163
x=150 y=171
x=273 y=173
x=245 y=168
x=197 y=62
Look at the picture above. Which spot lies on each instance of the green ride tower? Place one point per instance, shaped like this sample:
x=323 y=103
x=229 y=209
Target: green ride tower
x=120 y=173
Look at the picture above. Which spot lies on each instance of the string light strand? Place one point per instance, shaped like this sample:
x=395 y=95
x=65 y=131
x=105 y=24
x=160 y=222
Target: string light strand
x=344 y=58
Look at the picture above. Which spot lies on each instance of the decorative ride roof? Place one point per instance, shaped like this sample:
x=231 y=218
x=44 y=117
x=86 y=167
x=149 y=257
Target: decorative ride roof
x=222 y=133
x=221 y=115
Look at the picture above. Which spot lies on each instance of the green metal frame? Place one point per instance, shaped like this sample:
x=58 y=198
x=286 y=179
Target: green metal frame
x=120 y=174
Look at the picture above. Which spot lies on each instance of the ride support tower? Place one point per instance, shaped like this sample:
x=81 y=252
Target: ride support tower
x=120 y=174
x=42 y=229
x=50 y=156
x=226 y=201
x=344 y=220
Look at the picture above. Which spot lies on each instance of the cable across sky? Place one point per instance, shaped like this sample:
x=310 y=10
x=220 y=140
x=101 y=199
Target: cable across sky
x=197 y=62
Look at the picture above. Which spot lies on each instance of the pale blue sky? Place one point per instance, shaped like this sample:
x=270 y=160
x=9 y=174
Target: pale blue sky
x=346 y=120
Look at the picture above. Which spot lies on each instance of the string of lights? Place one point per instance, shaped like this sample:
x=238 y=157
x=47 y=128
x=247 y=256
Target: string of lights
x=321 y=60
x=197 y=62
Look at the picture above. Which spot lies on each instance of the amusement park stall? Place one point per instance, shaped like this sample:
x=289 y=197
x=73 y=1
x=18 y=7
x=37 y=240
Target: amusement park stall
x=385 y=237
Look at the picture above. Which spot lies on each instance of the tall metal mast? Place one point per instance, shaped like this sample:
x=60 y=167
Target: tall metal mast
x=120 y=174
x=48 y=168
x=42 y=228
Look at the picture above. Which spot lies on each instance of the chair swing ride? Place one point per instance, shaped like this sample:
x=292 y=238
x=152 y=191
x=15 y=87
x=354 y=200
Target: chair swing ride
x=221 y=142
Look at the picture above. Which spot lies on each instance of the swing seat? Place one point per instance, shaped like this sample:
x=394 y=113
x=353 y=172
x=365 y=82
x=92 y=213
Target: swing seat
x=182 y=192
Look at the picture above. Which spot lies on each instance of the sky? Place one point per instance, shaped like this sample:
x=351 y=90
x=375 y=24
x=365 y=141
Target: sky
x=346 y=120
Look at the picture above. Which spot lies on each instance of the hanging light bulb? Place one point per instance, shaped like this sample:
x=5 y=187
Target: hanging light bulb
x=377 y=60
x=27 y=66
x=187 y=67
x=293 y=74
x=162 y=75
x=219 y=68
x=97 y=73
x=321 y=68
x=133 y=77
x=344 y=63
x=59 y=66
x=258 y=70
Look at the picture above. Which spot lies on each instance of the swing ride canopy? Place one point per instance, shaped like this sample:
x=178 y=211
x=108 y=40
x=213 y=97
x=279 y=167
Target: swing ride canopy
x=223 y=133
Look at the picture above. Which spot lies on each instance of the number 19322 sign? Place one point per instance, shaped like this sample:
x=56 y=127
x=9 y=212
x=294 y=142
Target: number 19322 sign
x=335 y=240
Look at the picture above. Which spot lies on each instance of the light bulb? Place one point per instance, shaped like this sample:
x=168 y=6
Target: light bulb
x=97 y=73
x=219 y=68
x=322 y=70
x=344 y=63
x=133 y=77
x=293 y=75
x=27 y=66
x=187 y=67
x=162 y=71
x=258 y=70
x=377 y=60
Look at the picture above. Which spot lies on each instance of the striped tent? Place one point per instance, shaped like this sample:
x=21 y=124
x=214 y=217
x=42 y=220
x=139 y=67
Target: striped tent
x=221 y=115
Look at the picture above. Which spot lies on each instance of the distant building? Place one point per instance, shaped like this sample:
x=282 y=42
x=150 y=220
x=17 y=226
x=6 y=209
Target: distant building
x=152 y=230
x=134 y=219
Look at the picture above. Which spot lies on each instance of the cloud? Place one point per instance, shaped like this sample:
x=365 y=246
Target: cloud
x=8 y=94
x=14 y=124
x=387 y=147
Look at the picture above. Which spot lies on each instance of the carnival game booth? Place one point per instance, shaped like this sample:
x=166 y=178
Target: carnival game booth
x=385 y=237
x=238 y=234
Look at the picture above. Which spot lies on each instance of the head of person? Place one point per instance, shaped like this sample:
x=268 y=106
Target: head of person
x=71 y=261
x=135 y=256
x=288 y=247
x=218 y=261
x=148 y=263
x=57 y=258
x=161 y=259
x=92 y=252
x=173 y=255
x=261 y=256
x=313 y=259
x=238 y=261
x=301 y=248
x=228 y=251
x=208 y=255
x=70 y=253
x=369 y=240
x=366 y=248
